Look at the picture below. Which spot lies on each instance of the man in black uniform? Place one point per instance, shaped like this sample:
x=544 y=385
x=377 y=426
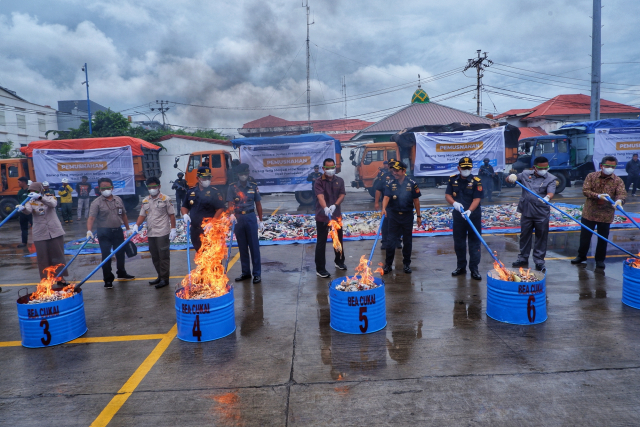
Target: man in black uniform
x=400 y=197
x=314 y=175
x=181 y=187
x=203 y=201
x=244 y=197
x=464 y=192
x=384 y=177
x=486 y=174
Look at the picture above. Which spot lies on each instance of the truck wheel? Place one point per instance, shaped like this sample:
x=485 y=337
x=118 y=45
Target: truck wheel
x=305 y=197
x=130 y=202
x=561 y=183
x=7 y=206
x=372 y=191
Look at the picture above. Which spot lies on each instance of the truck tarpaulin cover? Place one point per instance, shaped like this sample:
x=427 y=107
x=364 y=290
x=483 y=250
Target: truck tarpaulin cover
x=438 y=153
x=406 y=138
x=136 y=144
x=590 y=127
x=622 y=143
x=114 y=163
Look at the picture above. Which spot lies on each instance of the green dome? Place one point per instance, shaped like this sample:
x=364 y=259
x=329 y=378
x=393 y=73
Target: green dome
x=420 y=97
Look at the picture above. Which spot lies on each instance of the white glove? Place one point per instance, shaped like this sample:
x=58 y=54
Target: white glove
x=33 y=195
x=512 y=178
x=186 y=218
x=468 y=214
x=332 y=208
x=172 y=234
x=89 y=235
x=603 y=196
x=261 y=226
x=129 y=232
x=232 y=218
x=20 y=208
x=327 y=211
x=545 y=198
x=458 y=206
x=618 y=203
x=134 y=228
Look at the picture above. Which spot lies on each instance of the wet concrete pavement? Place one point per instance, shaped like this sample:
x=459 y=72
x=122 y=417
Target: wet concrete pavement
x=439 y=361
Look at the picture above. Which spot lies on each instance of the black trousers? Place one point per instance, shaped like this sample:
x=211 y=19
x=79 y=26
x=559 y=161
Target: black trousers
x=160 y=256
x=487 y=183
x=585 y=239
x=385 y=232
x=632 y=179
x=25 y=221
x=321 y=245
x=110 y=239
x=196 y=231
x=180 y=196
x=400 y=225
x=461 y=233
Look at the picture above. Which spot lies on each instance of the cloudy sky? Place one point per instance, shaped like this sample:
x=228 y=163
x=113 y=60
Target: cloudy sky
x=247 y=58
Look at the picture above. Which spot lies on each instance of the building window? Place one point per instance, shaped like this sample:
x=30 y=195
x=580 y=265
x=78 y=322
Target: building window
x=3 y=122
x=22 y=122
x=42 y=126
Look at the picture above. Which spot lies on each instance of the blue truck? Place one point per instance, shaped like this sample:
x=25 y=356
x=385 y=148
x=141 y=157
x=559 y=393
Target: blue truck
x=569 y=150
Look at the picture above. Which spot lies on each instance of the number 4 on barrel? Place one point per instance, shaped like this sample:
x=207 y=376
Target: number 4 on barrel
x=196 y=328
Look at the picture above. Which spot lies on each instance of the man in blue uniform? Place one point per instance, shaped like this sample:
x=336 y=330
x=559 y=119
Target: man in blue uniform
x=486 y=174
x=244 y=198
x=464 y=192
x=202 y=201
x=384 y=177
x=400 y=197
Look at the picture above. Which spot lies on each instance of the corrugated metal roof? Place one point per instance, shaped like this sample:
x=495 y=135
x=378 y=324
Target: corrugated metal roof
x=578 y=104
x=531 y=132
x=424 y=114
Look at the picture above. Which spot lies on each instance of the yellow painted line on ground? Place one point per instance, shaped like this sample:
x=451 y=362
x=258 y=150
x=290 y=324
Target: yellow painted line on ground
x=87 y=340
x=277 y=209
x=134 y=380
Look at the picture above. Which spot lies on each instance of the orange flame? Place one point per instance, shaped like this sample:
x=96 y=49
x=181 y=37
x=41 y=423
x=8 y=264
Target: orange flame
x=634 y=262
x=209 y=277
x=45 y=290
x=505 y=275
x=335 y=224
x=379 y=270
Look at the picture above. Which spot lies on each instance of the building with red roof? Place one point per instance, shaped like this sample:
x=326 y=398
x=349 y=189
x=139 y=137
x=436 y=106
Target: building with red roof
x=563 y=109
x=340 y=129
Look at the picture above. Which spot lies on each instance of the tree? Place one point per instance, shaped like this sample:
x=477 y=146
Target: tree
x=110 y=123
x=5 y=149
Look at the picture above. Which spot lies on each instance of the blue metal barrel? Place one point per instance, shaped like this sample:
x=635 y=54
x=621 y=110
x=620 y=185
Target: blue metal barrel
x=202 y=320
x=51 y=323
x=630 y=285
x=359 y=312
x=519 y=303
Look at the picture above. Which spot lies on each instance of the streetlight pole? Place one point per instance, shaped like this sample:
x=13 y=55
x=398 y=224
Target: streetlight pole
x=86 y=76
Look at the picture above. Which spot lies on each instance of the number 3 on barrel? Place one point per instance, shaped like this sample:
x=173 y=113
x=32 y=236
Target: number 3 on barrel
x=531 y=309
x=363 y=318
x=196 y=327
x=47 y=334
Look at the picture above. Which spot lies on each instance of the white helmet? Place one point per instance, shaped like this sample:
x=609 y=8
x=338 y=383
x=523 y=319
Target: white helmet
x=65 y=181
x=45 y=183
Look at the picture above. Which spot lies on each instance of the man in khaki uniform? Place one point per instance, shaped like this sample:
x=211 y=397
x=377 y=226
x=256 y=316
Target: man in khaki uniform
x=161 y=229
x=110 y=214
x=47 y=230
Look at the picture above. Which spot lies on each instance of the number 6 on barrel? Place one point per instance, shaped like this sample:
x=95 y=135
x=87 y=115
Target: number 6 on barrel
x=531 y=309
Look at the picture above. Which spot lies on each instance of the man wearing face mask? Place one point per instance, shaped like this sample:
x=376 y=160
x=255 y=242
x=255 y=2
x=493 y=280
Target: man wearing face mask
x=158 y=211
x=330 y=192
x=202 y=201
x=535 y=213
x=486 y=174
x=598 y=213
x=244 y=198
x=464 y=192
x=109 y=214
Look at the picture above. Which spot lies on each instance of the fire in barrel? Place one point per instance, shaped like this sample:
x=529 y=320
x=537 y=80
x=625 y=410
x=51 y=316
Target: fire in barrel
x=516 y=296
x=205 y=302
x=51 y=315
x=358 y=303
x=631 y=282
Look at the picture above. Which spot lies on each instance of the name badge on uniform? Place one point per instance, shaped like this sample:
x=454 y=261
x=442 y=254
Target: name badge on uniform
x=119 y=211
x=41 y=211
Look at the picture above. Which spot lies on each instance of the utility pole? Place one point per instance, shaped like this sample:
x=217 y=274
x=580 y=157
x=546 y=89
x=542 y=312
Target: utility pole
x=162 y=110
x=596 y=48
x=480 y=64
x=344 y=94
x=86 y=81
x=306 y=5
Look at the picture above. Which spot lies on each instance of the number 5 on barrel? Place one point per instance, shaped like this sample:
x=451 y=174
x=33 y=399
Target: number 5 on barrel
x=363 y=318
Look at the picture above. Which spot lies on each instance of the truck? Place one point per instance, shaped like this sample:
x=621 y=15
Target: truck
x=145 y=163
x=368 y=158
x=221 y=162
x=570 y=150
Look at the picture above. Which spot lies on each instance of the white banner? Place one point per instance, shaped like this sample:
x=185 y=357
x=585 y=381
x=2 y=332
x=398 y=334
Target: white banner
x=438 y=154
x=622 y=143
x=114 y=163
x=285 y=167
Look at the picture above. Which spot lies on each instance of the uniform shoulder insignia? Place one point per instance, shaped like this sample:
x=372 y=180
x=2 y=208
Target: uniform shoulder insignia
x=145 y=200
x=163 y=198
x=454 y=175
x=476 y=178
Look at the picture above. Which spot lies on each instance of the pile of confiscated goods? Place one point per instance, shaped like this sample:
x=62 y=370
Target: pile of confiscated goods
x=46 y=293
x=362 y=281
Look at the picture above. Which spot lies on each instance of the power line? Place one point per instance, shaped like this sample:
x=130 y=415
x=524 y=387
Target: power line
x=480 y=64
